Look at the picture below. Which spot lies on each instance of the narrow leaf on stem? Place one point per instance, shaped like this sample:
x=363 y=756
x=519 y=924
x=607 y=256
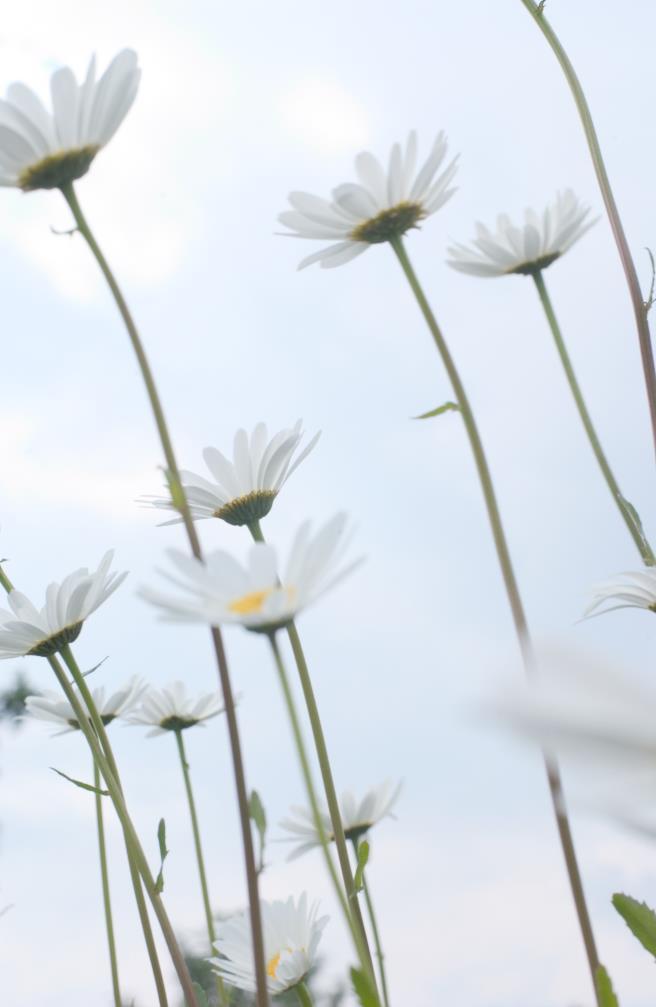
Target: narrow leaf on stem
x=363 y=858
x=444 y=408
x=639 y=918
x=605 y=990
x=79 y=783
x=163 y=853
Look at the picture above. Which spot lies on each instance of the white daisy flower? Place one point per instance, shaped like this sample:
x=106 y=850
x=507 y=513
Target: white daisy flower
x=221 y=590
x=51 y=706
x=244 y=488
x=171 y=709
x=357 y=817
x=291 y=936
x=526 y=249
x=47 y=150
x=381 y=207
x=27 y=631
x=637 y=590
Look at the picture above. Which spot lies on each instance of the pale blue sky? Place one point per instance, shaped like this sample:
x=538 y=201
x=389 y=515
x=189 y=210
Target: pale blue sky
x=239 y=105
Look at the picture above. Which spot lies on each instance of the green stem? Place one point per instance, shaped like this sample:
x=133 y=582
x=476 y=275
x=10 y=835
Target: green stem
x=104 y=875
x=642 y=545
x=514 y=598
x=262 y=994
x=360 y=946
x=209 y=919
x=374 y=928
x=639 y=309
x=325 y=769
x=303 y=994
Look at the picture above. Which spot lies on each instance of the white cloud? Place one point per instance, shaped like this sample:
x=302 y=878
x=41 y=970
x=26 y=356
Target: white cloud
x=324 y=116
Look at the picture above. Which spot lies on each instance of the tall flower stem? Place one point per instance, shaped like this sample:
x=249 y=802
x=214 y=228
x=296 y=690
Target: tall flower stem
x=324 y=767
x=133 y=866
x=173 y=472
x=512 y=591
x=209 y=919
x=303 y=994
x=639 y=308
x=641 y=543
x=104 y=876
x=360 y=946
x=374 y=929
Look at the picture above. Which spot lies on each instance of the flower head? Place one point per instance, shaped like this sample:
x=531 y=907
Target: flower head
x=244 y=489
x=637 y=590
x=172 y=709
x=221 y=590
x=48 y=150
x=526 y=249
x=380 y=207
x=53 y=707
x=357 y=817
x=27 y=631
x=291 y=934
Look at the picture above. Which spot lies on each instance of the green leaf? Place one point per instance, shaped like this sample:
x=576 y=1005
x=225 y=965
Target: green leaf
x=201 y=995
x=445 y=408
x=363 y=989
x=363 y=857
x=639 y=918
x=163 y=854
x=257 y=813
x=79 y=783
x=637 y=524
x=605 y=990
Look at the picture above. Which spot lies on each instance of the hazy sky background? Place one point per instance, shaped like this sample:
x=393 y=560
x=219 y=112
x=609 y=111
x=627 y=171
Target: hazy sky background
x=239 y=104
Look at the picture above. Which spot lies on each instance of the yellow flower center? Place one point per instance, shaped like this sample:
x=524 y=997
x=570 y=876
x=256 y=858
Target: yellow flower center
x=250 y=604
x=272 y=965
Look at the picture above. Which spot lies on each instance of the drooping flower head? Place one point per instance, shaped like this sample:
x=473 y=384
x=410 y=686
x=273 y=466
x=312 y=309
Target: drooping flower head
x=27 y=630
x=528 y=249
x=171 y=709
x=357 y=817
x=382 y=206
x=245 y=488
x=53 y=707
x=291 y=934
x=47 y=150
x=636 y=590
x=221 y=590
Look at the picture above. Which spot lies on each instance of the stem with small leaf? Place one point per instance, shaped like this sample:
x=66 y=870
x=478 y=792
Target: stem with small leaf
x=104 y=876
x=378 y=944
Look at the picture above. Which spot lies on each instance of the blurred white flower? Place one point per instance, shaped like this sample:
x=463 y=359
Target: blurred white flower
x=357 y=817
x=291 y=936
x=244 y=488
x=46 y=150
x=637 y=590
x=27 y=631
x=221 y=590
x=53 y=707
x=382 y=206
x=171 y=709
x=526 y=249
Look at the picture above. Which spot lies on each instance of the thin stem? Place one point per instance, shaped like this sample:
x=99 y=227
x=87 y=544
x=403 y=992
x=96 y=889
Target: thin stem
x=362 y=951
x=639 y=309
x=209 y=919
x=641 y=543
x=325 y=768
x=303 y=994
x=512 y=590
x=173 y=472
x=104 y=875
x=374 y=928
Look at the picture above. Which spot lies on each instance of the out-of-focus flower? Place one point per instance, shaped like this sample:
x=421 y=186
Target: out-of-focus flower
x=526 y=249
x=637 y=590
x=48 y=150
x=357 y=817
x=244 y=488
x=171 y=709
x=382 y=206
x=221 y=590
x=53 y=707
x=27 y=630
x=291 y=934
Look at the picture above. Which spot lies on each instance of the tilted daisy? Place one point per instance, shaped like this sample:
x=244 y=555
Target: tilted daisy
x=27 y=630
x=244 y=488
x=171 y=709
x=291 y=934
x=255 y=596
x=47 y=150
x=637 y=590
x=357 y=817
x=51 y=706
x=382 y=206
x=526 y=249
